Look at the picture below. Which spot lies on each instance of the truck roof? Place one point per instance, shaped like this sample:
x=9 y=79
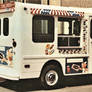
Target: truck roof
x=54 y=7
x=45 y=9
x=55 y=10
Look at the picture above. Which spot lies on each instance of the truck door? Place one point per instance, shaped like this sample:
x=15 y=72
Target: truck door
x=90 y=45
x=90 y=37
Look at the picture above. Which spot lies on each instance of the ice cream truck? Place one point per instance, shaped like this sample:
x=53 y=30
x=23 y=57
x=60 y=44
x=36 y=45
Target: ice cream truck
x=45 y=42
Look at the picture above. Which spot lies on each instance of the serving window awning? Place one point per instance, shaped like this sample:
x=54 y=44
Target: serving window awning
x=7 y=7
x=62 y=13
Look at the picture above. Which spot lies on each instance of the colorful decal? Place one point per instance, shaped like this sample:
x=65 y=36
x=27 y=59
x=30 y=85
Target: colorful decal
x=79 y=67
x=49 y=49
x=7 y=7
x=45 y=11
x=70 y=51
x=85 y=36
x=56 y=12
x=6 y=55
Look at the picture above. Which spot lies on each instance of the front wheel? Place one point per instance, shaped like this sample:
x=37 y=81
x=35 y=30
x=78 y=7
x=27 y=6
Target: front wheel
x=51 y=77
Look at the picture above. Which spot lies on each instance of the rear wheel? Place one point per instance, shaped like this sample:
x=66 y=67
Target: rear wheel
x=51 y=77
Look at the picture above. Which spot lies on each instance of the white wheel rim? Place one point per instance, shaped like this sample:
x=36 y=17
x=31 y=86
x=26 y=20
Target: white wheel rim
x=51 y=77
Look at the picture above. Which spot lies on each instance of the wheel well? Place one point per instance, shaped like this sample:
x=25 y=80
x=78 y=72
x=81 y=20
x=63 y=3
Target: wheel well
x=52 y=62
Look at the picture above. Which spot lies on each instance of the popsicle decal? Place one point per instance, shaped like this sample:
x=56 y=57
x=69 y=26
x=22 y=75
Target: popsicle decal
x=49 y=49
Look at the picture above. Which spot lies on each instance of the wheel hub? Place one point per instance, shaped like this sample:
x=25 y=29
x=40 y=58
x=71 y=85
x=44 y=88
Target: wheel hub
x=51 y=77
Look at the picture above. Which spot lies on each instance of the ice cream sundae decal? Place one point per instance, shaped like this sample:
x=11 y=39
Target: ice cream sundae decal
x=49 y=49
x=77 y=67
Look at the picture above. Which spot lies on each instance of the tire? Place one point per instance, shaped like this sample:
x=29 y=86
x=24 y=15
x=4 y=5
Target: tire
x=51 y=77
x=2 y=80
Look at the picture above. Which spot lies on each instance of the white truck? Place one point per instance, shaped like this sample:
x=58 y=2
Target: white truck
x=46 y=42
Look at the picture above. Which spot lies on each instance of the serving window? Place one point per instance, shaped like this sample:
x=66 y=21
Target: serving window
x=69 y=32
x=69 y=26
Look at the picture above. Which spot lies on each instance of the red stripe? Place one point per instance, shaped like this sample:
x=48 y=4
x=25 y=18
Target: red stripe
x=61 y=13
x=64 y=13
x=69 y=14
x=39 y=11
x=35 y=11
x=52 y=12
x=57 y=12
x=32 y=10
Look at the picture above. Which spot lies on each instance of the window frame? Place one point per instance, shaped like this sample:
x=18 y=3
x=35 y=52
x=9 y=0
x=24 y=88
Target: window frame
x=43 y=38
x=74 y=36
x=0 y=26
x=91 y=29
x=5 y=26
x=34 y=1
x=71 y=27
